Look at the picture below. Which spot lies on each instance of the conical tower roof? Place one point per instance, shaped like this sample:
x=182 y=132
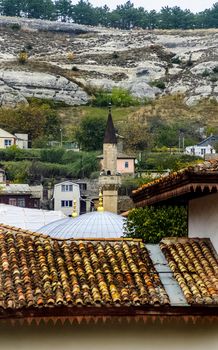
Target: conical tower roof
x=110 y=134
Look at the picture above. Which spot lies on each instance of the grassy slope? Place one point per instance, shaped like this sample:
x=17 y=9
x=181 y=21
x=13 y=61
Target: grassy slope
x=168 y=108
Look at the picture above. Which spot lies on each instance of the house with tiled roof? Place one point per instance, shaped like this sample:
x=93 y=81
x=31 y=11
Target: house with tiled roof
x=196 y=187
x=50 y=287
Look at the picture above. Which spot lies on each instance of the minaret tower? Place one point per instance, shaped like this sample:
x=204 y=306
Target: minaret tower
x=109 y=180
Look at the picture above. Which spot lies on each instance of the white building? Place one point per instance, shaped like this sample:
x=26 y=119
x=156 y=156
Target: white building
x=22 y=140
x=64 y=195
x=199 y=150
x=7 y=140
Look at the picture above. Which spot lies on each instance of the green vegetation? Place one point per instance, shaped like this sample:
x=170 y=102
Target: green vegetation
x=35 y=166
x=152 y=224
x=160 y=84
x=163 y=161
x=118 y=97
x=38 y=120
x=90 y=134
x=125 y=16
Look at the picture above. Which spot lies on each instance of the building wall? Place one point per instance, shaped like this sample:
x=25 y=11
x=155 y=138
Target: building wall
x=20 y=200
x=123 y=169
x=22 y=141
x=2 y=141
x=60 y=196
x=111 y=337
x=200 y=150
x=110 y=200
x=110 y=157
x=203 y=218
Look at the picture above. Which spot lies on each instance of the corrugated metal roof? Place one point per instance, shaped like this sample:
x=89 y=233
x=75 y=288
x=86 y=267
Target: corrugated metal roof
x=15 y=188
x=28 y=219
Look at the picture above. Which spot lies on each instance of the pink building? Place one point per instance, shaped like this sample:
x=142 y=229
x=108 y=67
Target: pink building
x=125 y=164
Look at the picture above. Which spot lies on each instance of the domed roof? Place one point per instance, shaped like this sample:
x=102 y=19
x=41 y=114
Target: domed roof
x=91 y=225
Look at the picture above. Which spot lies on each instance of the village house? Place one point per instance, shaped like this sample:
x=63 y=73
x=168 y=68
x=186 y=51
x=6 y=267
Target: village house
x=203 y=148
x=20 y=195
x=8 y=140
x=65 y=193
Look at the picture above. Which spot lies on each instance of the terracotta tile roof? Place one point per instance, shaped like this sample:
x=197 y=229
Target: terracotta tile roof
x=37 y=271
x=187 y=179
x=195 y=267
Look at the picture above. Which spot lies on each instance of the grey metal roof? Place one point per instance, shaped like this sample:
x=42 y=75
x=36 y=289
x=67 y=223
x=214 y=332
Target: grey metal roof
x=171 y=286
x=90 y=225
x=26 y=218
x=15 y=189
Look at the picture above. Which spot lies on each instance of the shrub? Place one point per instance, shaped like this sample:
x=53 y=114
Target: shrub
x=75 y=69
x=70 y=56
x=176 y=60
x=115 y=55
x=152 y=224
x=52 y=155
x=160 y=84
x=206 y=73
x=214 y=78
x=15 y=26
x=215 y=69
x=118 y=97
x=28 y=46
x=22 y=57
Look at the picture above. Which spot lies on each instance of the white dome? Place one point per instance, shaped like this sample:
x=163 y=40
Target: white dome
x=91 y=225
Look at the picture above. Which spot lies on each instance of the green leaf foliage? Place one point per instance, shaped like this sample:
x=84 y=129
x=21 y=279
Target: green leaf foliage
x=90 y=134
x=152 y=224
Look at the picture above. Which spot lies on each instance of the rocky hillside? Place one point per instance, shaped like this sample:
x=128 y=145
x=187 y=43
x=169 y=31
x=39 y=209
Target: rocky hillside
x=65 y=61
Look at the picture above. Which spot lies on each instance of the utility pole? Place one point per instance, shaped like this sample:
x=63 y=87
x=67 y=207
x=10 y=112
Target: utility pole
x=61 y=137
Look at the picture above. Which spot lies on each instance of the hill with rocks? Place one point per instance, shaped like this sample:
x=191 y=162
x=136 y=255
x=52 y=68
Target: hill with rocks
x=66 y=62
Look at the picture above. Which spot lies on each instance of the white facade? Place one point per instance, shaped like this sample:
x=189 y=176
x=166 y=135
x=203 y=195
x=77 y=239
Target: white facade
x=22 y=140
x=199 y=151
x=64 y=195
x=6 y=139
x=203 y=218
x=170 y=335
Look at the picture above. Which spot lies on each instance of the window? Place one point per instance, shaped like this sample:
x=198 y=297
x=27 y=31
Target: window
x=66 y=188
x=21 y=202
x=203 y=151
x=66 y=204
x=83 y=186
x=12 y=201
x=126 y=164
x=7 y=143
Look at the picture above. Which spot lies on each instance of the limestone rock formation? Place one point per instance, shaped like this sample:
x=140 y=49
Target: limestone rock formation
x=63 y=57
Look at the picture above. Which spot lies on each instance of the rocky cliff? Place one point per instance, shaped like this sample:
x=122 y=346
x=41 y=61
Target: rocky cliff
x=66 y=60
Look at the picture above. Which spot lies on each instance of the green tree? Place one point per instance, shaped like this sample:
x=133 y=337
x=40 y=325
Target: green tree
x=36 y=121
x=63 y=9
x=43 y=9
x=152 y=224
x=136 y=137
x=11 y=7
x=90 y=134
x=84 y=13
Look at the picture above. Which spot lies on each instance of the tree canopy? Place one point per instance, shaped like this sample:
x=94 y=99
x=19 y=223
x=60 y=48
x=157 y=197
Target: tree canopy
x=90 y=134
x=152 y=224
x=125 y=16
